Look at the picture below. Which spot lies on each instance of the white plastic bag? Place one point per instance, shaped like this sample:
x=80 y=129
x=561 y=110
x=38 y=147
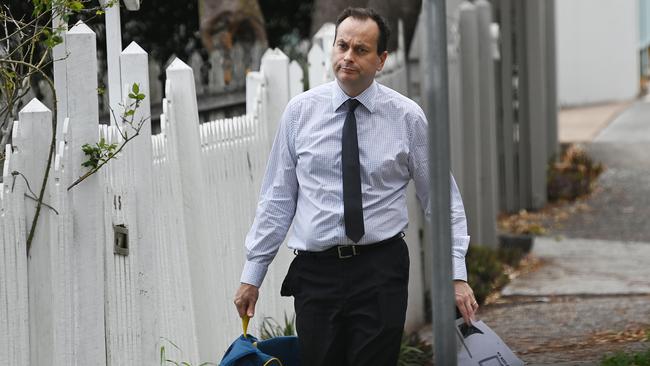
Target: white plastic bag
x=478 y=345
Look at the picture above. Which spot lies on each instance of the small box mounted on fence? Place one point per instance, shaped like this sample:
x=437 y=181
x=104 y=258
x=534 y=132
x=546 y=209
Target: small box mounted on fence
x=121 y=235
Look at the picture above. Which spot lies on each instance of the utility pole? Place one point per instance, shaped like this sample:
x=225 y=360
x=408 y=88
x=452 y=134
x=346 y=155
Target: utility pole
x=435 y=80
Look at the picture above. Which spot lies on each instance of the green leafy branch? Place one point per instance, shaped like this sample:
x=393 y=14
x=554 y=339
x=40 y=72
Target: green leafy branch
x=98 y=154
x=101 y=153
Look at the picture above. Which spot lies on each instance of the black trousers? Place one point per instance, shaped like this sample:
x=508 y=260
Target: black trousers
x=350 y=311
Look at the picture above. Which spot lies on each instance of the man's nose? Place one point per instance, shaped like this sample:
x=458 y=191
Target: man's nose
x=347 y=56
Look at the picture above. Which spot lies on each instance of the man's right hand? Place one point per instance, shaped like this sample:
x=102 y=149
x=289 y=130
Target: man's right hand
x=245 y=300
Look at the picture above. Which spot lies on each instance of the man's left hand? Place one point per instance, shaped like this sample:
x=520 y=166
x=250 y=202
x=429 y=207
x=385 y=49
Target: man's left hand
x=465 y=300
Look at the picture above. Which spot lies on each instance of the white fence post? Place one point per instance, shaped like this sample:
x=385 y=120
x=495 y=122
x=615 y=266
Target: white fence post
x=59 y=70
x=488 y=173
x=134 y=65
x=295 y=79
x=470 y=96
x=185 y=126
x=535 y=94
x=61 y=240
x=317 y=66
x=254 y=80
x=14 y=326
x=86 y=199
x=324 y=38
x=553 y=149
x=113 y=47
x=34 y=138
x=275 y=68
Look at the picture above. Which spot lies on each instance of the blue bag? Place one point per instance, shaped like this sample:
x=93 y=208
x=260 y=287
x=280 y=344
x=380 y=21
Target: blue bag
x=248 y=351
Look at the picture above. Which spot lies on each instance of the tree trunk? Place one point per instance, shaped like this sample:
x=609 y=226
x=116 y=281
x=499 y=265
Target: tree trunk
x=223 y=22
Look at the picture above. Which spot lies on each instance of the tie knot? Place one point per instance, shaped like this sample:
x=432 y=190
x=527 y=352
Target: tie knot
x=352 y=104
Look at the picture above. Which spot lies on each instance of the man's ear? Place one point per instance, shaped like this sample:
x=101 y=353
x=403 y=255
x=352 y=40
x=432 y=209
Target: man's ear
x=382 y=60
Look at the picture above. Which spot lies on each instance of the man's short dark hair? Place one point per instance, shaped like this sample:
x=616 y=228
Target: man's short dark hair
x=363 y=14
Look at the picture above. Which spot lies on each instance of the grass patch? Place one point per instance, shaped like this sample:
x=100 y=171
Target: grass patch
x=628 y=359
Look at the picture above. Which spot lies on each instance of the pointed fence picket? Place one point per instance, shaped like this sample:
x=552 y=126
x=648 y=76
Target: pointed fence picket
x=14 y=326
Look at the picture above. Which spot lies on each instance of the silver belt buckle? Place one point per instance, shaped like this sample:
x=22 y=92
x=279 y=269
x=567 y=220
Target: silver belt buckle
x=344 y=256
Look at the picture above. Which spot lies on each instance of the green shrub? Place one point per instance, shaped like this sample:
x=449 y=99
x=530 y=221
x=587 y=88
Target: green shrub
x=414 y=352
x=485 y=271
x=271 y=328
x=627 y=359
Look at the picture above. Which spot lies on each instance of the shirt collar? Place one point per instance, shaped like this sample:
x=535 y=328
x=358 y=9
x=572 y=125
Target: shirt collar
x=366 y=98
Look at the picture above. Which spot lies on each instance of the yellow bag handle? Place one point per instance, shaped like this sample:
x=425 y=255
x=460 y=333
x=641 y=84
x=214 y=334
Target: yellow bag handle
x=244 y=324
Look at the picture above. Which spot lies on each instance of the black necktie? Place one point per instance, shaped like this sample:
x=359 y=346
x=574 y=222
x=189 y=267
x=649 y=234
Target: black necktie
x=352 y=206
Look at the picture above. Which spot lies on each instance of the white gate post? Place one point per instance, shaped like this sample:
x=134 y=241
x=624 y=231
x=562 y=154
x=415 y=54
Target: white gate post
x=86 y=198
x=134 y=65
x=185 y=127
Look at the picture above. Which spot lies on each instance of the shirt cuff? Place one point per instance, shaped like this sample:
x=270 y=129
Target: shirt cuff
x=253 y=273
x=460 y=271
x=460 y=245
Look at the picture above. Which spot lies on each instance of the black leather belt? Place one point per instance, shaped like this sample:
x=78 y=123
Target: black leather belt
x=349 y=251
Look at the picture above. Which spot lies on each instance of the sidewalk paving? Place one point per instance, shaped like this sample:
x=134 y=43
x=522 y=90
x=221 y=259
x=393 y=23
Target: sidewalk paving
x=585 y=267
x=591 y=295
x=582 y=124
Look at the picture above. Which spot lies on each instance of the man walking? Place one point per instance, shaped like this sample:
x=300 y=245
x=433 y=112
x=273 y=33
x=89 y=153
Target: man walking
x=339 y=167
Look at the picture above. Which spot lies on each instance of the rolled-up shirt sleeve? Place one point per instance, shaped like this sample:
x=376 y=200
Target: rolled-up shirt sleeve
x=419 y=167
x=277 y=203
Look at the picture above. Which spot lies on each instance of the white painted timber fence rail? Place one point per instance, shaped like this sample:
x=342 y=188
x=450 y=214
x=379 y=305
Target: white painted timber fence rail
x=148 y=252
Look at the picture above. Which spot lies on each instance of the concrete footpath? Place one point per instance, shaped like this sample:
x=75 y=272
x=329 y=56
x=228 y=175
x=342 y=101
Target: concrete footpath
x=589 y=294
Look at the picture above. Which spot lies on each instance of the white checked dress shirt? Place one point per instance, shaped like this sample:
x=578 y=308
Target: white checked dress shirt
x=303 y=181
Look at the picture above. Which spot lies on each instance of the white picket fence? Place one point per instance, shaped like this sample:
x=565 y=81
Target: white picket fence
x=186 y=198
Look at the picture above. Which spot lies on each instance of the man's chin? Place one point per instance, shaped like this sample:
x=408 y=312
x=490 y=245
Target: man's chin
x=348 y=78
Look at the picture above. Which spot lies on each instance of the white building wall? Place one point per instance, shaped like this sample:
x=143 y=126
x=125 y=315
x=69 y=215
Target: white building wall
x=597 y=54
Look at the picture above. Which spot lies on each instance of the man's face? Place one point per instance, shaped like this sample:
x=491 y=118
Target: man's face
x=354 y=58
